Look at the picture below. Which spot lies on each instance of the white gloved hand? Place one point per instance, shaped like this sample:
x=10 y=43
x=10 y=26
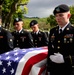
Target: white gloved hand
x=57 y=58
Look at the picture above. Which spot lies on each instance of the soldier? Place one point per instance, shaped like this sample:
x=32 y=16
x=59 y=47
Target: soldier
x=6 y=40
x=61 y=43
x=39 y=38
x=22 y=38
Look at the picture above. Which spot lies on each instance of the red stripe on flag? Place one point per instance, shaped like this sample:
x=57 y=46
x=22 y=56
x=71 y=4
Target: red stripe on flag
x=33 y=60
x=41 y=70
x=45 y=47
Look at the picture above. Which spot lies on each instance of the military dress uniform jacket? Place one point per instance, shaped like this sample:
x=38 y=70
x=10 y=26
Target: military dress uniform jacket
x=6 y=41
x=22 y=39
x=40 y=39
x=64 y=44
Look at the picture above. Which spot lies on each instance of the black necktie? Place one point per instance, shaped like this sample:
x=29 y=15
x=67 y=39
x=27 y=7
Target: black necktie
x=60 y=31
x=17 y=32
x=35 y=33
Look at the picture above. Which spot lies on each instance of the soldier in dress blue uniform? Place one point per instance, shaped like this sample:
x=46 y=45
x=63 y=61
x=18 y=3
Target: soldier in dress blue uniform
x=22 y=38
x=39 y=38
x=61 y=43
x=6 y=39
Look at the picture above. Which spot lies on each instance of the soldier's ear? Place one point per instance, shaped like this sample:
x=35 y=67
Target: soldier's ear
x=22 y=23
x=69 y=15
x=37 y=24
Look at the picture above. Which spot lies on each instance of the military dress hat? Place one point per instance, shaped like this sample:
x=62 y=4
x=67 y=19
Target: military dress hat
x=33 y=22
x=17 y=20
x=61 y=9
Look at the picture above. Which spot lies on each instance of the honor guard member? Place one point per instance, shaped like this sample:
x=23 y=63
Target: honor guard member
x=22 y=38
x=61 y=43
x=6 y=40
x=39 y=38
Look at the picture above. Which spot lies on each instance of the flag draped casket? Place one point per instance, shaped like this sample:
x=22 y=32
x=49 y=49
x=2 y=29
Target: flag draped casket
x=30 y=61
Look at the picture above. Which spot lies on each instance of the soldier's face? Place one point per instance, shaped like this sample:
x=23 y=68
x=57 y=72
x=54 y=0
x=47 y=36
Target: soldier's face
x=62 y=18
x=18 y=25
x=35 y=28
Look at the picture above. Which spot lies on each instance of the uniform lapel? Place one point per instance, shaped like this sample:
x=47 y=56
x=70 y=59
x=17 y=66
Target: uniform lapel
x=22 y=31
x=68 y=27
x=56 y=33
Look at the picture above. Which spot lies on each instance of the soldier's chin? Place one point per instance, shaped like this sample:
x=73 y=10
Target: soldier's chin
x=59 y=23
x=17 y=29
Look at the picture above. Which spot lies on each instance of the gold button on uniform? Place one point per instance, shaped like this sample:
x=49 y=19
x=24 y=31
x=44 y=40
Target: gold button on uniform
x=17 y=44
x=67 y=41
x=11 y=40
x=35 y=46
x=58 y=47
x=17 y=40
x=35 y=43
x=58 y=41
x=35 y=40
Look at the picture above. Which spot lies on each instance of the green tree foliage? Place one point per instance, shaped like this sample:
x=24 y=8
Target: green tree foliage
x=1 y=1
x=72 y=9
x=41 y=21
x=51 y=20
x=12 y=9
x=72 y=19
x=72 y=14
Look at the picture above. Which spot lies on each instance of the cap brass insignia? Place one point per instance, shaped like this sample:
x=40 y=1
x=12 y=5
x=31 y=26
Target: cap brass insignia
x=17 y=19
x=57 y=10
x=32 y=23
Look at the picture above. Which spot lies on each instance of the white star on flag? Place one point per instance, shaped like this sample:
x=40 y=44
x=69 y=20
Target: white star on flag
x=7 y=57
x=16 y=58
x=15 y=54
x=9 y=63
x=12 y=71
x=7 y=53
x=4 y=70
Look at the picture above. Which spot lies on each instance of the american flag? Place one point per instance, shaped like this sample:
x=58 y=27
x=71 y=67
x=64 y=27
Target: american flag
x=31 y=61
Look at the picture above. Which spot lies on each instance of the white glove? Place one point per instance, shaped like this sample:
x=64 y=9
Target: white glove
x=57 y=58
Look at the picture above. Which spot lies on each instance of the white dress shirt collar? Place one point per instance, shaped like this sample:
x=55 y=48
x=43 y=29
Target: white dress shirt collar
x=63 y=27
x=19 y=31
x=0 y=25
x=37 y=32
